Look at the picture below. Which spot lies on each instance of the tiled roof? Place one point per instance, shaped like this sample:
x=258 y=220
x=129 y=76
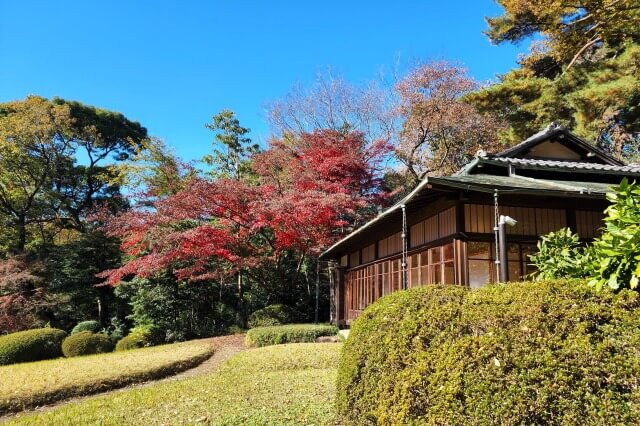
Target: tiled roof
x=551 y=131
x=574 y=165
x=521 y=184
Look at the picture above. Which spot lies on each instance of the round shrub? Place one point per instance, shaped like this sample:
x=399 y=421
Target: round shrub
x=273 y=315
x=31 y=345
x=92 y=326
x=133 y=341
x=86 y=343
x=520 y=353
x=292 y=333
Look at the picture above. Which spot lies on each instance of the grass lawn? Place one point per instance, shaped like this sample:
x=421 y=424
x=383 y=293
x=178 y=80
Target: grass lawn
x=36 y=383
x=284 y=384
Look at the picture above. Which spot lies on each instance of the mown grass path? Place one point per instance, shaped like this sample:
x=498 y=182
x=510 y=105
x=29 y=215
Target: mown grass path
x=275 y=385
x=223 y=348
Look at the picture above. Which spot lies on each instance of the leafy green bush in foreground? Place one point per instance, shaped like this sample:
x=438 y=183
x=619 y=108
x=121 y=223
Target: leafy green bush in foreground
x=86 y=343
x=273 y=315
x=520 y=353
x=292 y=333
x=31 y=345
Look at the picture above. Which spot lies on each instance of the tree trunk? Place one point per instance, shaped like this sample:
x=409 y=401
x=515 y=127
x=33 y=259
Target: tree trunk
x=243 y=320
x=103 y=306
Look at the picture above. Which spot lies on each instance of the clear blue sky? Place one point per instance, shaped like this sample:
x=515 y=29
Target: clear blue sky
x=173 y=64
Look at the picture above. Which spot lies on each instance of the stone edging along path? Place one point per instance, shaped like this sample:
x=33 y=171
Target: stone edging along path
x=224 y=348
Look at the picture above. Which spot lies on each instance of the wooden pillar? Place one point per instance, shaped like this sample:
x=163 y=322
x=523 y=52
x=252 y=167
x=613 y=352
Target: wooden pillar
x=338 y=301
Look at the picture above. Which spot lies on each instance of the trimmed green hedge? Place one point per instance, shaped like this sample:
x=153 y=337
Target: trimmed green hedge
x=292 y=333
x=86 y=343
x=520 y=353
x=92 y=326
x=273 y=315
x=31 y=345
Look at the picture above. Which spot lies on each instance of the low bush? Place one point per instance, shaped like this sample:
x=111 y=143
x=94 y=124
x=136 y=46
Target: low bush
x=92 y=326
x=293 y=333
x=86 y=343
x=134 y=340
x=31 y=345
x=273 y=315
x=520 y=353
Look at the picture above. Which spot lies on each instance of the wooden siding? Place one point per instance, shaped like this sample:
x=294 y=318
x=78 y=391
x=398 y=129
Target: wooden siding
x=531 y=221
x=437 y=226
x=369 y=253
x=390 y=245
x=354 y=259
x=589 y=223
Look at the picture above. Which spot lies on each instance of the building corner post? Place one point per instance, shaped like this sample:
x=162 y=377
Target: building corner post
x=404 y=247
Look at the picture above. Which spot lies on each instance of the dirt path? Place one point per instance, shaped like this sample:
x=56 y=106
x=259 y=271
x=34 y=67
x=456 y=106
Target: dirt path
x=225 y=347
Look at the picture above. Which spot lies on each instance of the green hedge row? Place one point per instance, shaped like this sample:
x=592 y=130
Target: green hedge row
x=31 y=345
x=520 y=353
x=292 y=333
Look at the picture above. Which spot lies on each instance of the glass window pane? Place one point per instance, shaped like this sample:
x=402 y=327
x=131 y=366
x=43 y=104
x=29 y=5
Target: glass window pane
x=479 y=273
x=414 y=277
x=436 y=273
x=448 y=252
x=449 y=273
x=476 y=250
x=424 y=275
x=435 y=254
x=514 y=271
x=424 y=258
x=413 y=261
x=513 y=251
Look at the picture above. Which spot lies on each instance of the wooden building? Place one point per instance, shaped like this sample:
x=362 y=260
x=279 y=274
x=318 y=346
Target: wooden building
x=551 y=180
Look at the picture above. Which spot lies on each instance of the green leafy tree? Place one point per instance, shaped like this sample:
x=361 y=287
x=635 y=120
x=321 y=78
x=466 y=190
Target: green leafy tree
x=232 y=147
x=154 y=170
x=571 y=30
x=583 y=71
x=54 y=165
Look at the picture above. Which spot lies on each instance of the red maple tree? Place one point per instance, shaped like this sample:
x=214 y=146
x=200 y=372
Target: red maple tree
x=303 y=190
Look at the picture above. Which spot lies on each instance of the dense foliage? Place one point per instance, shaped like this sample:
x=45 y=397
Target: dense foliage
x=86 y=343
x=58 y=163
x=616 y=261
x=273 y=315
x=91 y=325
x=31 y=345
x=560 y=254
x=612 y=259
x=518 y=353
x=292 y=333
x=583 y=71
